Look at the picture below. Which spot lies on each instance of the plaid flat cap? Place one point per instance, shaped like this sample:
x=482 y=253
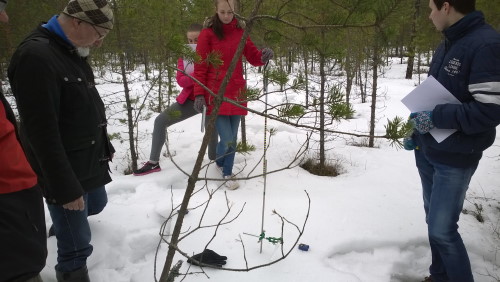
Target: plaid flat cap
x=96 y=12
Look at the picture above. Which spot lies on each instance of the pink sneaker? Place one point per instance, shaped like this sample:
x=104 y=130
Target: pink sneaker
x=147 y=168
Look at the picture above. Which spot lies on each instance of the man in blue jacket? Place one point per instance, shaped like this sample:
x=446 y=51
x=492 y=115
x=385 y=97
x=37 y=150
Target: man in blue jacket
x=467 y=63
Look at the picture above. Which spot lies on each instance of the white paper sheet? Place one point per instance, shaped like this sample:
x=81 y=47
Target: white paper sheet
x=425 y=97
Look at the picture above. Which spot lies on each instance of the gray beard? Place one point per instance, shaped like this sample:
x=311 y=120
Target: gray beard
x=83 y=51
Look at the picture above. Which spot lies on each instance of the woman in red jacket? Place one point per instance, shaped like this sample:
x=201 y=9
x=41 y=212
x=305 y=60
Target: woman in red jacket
x=221 y=37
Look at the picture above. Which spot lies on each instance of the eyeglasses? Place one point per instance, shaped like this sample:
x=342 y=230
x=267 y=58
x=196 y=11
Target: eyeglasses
x=101 y=36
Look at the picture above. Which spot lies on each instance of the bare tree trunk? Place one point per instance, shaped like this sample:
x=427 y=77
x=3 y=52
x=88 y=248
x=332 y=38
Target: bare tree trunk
x=349 y=75
x=375 y=65
x=312 y=63
x=170 y=81
x=128 y=102
x=419 y=65
x=401 y=54
x=362 y=87
x=350 y=71
x=160 y=84
x=130 y=120
x=322 y=157
x=306 y=77
x=282 y=69
x=289 y=61
x=367 y=67
x=413 y=36
x=146 y=65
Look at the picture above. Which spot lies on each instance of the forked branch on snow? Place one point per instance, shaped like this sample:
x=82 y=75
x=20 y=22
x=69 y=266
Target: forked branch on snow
x=224 y=220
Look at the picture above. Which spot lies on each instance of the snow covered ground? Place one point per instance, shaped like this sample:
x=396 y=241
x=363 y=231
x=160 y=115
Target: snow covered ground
x=365 y=225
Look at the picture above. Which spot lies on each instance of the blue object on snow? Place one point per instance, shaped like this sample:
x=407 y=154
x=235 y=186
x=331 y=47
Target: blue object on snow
x=303 y=247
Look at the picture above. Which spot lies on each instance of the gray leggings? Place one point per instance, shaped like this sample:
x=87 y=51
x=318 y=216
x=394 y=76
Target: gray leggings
x=172 y=115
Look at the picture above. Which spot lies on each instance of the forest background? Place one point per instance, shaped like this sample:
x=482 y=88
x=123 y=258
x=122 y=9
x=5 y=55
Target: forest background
x=354 y=38
x=314 y=42
x=149 y=32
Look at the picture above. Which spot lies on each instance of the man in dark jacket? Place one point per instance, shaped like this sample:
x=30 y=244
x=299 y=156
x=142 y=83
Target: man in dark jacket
x=23 y=244
x=467 y=63
x=63 y=124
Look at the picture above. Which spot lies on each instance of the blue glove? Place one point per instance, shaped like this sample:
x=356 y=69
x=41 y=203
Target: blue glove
x=267 y=54
x=422 y=121
x=409 y=144
x=199 y=103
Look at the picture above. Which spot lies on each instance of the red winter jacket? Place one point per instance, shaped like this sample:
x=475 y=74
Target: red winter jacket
x=212 y=77
x=15 y=172
x=185 y=82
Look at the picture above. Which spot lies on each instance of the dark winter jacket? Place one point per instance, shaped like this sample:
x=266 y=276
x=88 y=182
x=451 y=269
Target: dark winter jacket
x=209 y=43
x=467 y=63
x=63 y=123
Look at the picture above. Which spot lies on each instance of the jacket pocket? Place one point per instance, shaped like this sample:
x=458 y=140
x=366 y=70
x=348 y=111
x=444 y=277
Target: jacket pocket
x=75 y=93
x=83 y=157
x=79 y=144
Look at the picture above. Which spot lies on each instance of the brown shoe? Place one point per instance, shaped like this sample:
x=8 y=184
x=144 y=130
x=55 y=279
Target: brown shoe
x=427 y=279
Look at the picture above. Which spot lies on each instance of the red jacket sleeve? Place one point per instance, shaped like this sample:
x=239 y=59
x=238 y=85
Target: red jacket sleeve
x=252 y=54
x=182 y=79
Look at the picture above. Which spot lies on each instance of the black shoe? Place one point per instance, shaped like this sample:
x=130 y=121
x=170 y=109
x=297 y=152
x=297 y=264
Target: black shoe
x=52 y=232
x=79 y=275
x=147 y=168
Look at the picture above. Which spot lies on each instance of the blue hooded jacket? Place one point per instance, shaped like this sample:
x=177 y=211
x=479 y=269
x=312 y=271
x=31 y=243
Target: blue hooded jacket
x=467 y=63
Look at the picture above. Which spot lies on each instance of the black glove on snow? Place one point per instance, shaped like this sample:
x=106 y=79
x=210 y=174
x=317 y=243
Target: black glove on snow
x=208 y=257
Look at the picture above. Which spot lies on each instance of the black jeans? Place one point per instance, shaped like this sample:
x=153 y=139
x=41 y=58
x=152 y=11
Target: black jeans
x=23 y=238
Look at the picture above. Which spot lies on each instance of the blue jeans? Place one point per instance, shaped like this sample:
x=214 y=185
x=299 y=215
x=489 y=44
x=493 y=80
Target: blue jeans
x=227 y=127
x=73 y=231
x=444 y=189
